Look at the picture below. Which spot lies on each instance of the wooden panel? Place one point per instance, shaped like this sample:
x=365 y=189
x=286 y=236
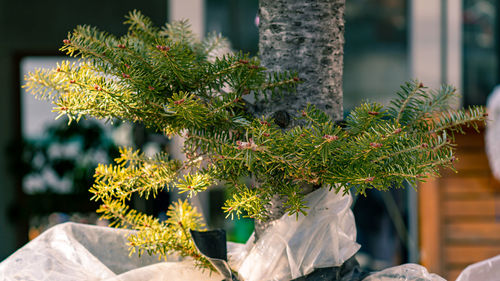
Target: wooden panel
x=484 y=207
x=429 y=221
x=473 y=231
x=471 y=137
x=465 y=255
x=470 y=140
x=452 y=274
x=469 y=187
x=468 y=212
x=471 y=160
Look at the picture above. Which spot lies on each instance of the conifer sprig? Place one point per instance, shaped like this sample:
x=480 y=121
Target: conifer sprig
x=168 y=80
x=153 y=237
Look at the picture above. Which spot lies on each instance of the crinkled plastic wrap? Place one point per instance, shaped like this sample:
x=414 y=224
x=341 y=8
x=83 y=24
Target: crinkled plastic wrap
x=405 y=272
x=81 y=252
x=289 y=249
x=293 y=247
x=493 y=132
x=487 y=270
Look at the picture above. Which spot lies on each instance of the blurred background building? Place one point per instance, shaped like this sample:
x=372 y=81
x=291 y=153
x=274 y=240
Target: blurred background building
x=46 y=167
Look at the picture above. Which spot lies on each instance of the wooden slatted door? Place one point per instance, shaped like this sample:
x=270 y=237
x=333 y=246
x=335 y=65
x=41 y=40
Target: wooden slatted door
x=459 y=213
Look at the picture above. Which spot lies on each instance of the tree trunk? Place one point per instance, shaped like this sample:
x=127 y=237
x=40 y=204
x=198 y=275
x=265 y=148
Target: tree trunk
x=306 y=36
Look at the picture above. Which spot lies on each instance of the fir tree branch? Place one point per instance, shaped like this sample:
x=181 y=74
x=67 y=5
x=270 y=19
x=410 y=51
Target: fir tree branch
x=169 y=81
x=416 y=87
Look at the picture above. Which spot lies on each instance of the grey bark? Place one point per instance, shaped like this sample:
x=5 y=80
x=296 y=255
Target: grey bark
x=306 y=36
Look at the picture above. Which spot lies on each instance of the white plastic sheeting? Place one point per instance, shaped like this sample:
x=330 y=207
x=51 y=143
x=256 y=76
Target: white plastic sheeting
x=81 y=252
x=487 y=270
x=405 y=272
x=293 y=247
x=290 y=248
x=493 y=132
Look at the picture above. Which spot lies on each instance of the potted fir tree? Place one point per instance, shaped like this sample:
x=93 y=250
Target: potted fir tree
x=244 y=118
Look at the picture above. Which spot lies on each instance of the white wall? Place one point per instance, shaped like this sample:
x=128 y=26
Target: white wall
x=192 y=10
x=435 y=58
x=436 y=42
x=425 y=41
